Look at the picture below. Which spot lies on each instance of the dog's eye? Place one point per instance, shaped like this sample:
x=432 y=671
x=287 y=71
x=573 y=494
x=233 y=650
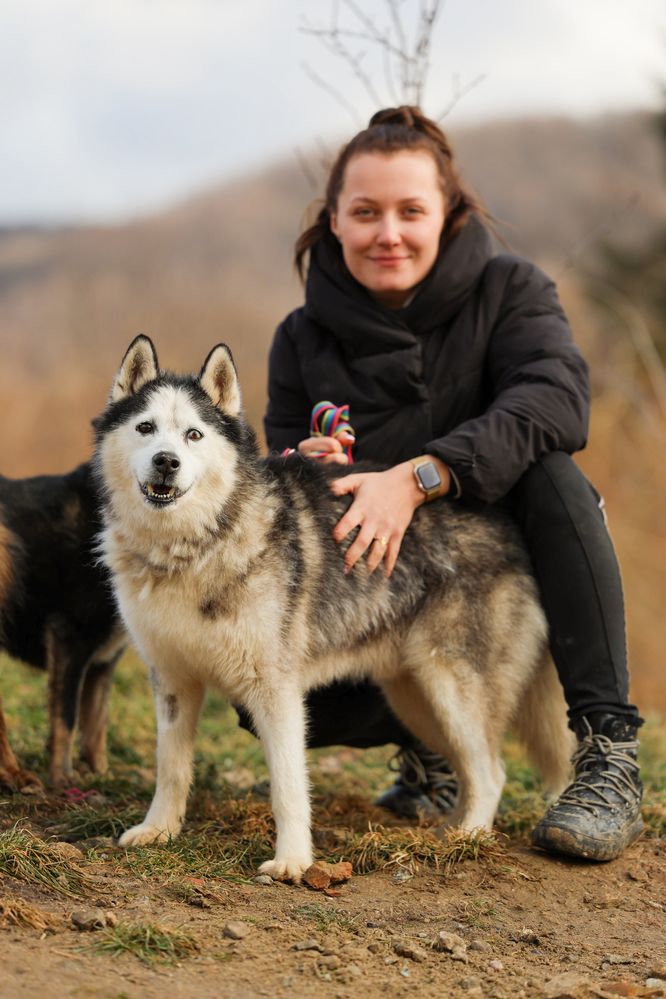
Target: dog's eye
x=145 y=428
x=194 y=435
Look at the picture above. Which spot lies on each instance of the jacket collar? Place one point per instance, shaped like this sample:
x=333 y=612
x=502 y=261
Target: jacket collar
x=336 y=301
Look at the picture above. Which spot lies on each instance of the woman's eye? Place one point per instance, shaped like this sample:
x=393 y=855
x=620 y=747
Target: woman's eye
x=145 y=428
x=194 y=435
x=413 y=210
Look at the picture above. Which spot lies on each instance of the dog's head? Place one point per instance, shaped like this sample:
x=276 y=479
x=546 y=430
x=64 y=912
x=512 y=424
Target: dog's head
x=167 y=442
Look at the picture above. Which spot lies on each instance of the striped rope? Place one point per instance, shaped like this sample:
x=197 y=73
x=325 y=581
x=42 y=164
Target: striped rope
x=329 y=420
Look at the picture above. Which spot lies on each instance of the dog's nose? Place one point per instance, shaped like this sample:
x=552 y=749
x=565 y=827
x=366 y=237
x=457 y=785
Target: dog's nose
x=166 y=461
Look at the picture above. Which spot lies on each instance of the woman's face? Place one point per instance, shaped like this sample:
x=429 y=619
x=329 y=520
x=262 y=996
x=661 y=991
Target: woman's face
x=389 y=218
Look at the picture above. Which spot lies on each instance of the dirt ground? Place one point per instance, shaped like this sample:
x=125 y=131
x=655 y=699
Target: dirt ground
x=524 y=921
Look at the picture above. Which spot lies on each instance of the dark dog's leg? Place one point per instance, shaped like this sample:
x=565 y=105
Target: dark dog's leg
x=11 y=774
x=94 y=713
x=66 y=660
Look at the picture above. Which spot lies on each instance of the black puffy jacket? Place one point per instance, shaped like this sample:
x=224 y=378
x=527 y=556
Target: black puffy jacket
x=480 y=368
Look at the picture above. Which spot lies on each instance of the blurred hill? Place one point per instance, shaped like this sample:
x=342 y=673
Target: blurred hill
x=218 y=267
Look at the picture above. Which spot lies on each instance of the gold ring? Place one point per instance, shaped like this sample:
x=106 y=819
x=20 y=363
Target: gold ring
x=383 y=542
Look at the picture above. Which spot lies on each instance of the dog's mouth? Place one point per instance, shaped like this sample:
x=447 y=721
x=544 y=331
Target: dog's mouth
x=160 y=493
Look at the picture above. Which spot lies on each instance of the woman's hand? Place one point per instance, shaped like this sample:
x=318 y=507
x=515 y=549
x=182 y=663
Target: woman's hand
x=327 y=450
x=383 y=507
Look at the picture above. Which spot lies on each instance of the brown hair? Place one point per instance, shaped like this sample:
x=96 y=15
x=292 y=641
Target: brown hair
x=391 y=131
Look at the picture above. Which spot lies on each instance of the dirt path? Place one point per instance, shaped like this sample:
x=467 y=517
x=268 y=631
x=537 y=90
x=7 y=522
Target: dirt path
x=523 y=921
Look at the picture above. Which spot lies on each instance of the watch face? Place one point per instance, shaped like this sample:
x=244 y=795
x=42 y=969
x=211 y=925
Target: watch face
x=428 y=476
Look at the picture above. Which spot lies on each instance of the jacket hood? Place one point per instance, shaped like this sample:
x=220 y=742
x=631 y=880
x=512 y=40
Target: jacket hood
x=342 y=305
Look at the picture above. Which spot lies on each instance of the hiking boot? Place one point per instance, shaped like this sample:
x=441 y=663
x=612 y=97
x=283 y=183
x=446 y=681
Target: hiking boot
x=599 y=814
x=426 y=787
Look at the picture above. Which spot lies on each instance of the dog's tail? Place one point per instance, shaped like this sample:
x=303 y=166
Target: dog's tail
x=541 y=723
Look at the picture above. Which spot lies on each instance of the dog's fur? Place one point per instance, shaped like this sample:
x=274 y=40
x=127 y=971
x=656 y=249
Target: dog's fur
x=57 y=613
x=227 y=574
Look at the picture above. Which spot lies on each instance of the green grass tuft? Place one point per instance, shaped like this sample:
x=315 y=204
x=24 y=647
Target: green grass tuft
x=149 y=943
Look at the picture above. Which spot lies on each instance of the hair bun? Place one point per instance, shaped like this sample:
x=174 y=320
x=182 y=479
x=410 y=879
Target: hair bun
x=406 y=115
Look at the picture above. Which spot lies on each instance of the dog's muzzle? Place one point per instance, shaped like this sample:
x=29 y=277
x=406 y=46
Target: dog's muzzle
x=161 y=491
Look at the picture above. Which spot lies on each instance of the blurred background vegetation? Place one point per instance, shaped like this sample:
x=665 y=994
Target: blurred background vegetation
x=584 y=198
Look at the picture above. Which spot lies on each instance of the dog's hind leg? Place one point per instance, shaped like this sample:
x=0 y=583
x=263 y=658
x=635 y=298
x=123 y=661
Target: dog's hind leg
x=177 y=709
x=94 y=712
x=278 y=715
x=11 y=774
x=444 y=706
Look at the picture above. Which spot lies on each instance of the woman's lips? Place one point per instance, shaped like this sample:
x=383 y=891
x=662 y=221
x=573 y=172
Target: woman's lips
x=388 y=261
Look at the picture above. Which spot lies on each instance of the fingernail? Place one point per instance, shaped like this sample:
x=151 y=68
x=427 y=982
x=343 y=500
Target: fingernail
x=347 y=569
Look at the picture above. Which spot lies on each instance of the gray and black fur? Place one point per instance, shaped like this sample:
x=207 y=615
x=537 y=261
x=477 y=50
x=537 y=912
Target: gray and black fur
x=227 y=574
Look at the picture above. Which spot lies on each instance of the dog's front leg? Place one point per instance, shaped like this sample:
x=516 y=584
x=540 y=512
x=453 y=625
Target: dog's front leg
x=279 y=719
x=177 y=715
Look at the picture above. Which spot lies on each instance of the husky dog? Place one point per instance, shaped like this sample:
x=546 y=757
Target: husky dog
x=57 y=613
x=227 y=574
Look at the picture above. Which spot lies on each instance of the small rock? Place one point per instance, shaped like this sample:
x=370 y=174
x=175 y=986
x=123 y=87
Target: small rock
x=390 y=959
x=310 y=944
x=111 y=919
x=402 y=875
x=236 y=930
x=655 y=983
x=320 y=874
x=68 y=851
x=407 y=950
x=354 y=970
x=374 y=926
x=330 y=961
x=616 y=959
x=480 y=945
x=495 y=965
x=637 y=874
x=89 y=920
x=570 y=985
x=472 y=982
x=375 y=948
x=658 y=971
x=263 y=879
x=528 y=936
x=405 y=972
x=451 y=943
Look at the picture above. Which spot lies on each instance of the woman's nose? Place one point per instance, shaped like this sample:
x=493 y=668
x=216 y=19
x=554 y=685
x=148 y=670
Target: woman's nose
x=389 y=233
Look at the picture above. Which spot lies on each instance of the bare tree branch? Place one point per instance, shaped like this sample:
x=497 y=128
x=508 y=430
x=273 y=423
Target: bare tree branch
x=460 y=92
x=331 y=90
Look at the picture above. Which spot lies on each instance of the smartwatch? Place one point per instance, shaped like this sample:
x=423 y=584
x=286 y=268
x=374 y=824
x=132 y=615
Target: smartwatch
x=427 y=477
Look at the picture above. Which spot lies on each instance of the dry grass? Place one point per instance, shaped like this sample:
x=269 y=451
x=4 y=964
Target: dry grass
x=381 y=848
x=27 y=858
x=14 y=912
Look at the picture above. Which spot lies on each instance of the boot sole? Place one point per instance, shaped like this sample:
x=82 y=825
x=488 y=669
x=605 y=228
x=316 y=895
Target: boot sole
x=555 y=839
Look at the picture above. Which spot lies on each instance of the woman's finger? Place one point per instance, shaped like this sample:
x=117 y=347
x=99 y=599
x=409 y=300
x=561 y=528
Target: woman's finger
x=348 y=484
x=359 y=545
x=376 y=552
x=314 y=445
x=392 y=552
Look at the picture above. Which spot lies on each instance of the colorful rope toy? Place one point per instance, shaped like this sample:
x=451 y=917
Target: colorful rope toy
x=329 y=420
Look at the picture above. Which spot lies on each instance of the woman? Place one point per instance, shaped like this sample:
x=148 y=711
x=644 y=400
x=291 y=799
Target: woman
x=462 y=359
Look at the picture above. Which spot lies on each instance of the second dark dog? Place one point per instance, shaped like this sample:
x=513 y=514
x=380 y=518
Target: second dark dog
x=57 y=613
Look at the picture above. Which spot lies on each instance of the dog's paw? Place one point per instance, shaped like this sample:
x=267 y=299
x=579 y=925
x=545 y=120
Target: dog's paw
x=20 y=780
x=144 y=833
x=286 y=868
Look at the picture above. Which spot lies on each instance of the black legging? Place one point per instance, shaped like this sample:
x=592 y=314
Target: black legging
x=574 y=562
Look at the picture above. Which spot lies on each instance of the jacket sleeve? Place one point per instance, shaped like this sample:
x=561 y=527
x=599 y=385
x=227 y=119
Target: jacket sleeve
x=539 y=383
x=287 y=419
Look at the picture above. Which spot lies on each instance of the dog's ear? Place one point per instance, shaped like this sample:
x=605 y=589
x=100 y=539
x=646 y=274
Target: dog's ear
x=219 y=380
x=139 y=365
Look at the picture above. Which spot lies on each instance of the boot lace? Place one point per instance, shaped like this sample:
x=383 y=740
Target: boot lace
x=422 y=770
x=603 y=768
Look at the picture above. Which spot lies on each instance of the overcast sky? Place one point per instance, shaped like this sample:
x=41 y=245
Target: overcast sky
x=112 y=107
